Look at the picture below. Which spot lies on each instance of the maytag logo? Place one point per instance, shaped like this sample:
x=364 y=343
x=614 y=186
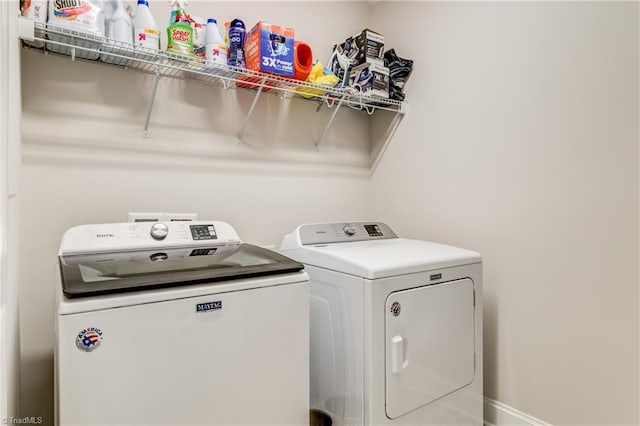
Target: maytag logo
x=105 y=235
x=209 y=306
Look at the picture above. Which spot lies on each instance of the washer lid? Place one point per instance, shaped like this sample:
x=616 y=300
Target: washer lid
x=382 y=258
x=116 y=272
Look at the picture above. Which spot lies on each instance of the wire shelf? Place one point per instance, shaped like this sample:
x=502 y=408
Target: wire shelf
x=86 y=46
x=97 y=49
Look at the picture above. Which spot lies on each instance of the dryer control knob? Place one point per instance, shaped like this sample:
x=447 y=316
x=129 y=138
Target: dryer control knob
x=159 y=231
x=349 y=229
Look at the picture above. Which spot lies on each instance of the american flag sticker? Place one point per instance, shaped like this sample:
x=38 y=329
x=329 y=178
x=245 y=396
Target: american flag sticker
x=89 y=339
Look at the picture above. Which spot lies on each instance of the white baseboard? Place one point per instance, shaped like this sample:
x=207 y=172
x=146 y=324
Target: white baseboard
x=499 y=414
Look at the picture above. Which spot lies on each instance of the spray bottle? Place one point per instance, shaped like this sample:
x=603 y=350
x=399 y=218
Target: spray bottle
x=176 y=6
x=180 y=36
x=199 y=37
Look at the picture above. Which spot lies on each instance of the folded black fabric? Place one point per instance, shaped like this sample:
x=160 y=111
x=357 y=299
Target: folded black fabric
x=399 y=71
x=391 y=59
x=395 y=92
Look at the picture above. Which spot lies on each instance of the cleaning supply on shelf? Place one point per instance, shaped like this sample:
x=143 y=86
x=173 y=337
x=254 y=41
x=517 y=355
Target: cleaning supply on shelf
x=269 y=48
x=369 y=46
x=341 y=61
x=108 y=9
x=119 y=29
x=320 y=76
x=215 y=47
x=37 y=11
x=147 y=32
x=82 y=16
x=236 y=36
x=176 y=5
x=371 y=79
x=34 y=9
x=120 y=25
x=180 y=36
x=302 y=60
x=199 y=37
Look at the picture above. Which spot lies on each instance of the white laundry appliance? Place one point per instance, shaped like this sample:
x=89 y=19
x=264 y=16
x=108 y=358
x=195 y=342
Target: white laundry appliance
x=179 y=323
x=396 y=326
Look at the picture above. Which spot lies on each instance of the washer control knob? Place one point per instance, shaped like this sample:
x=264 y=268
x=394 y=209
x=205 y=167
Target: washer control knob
x=349 y=229
x=159 y=231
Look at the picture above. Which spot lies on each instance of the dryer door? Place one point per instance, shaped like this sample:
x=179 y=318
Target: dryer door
x=429 y=335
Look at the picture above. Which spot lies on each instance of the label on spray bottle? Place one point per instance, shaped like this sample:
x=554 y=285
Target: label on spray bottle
x=180 y=39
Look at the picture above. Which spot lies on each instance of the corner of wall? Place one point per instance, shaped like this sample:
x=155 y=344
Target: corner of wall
x=10 y=110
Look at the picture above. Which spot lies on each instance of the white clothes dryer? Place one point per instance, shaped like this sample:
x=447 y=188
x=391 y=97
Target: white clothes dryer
x=396 y=326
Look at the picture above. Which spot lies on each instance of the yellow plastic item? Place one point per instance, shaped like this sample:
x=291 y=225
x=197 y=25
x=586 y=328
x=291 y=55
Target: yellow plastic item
x=317 y=76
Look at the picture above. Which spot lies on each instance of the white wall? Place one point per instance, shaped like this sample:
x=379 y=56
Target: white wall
x=9 y=213
x=85 y=160
x=522 y=143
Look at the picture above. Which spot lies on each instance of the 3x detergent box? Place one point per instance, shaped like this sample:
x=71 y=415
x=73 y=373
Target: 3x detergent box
x=269 y=48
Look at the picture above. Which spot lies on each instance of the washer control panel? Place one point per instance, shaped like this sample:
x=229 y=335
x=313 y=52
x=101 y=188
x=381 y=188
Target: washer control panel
x=145 y=235
x=324 y=233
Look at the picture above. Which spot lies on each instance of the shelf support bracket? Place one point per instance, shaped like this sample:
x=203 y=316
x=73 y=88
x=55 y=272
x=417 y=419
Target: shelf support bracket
x=153 y=98
x=333 y=116
x=397 y=118
x=253 y=106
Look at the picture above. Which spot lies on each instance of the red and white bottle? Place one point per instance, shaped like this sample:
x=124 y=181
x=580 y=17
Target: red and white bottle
x=215 y=47
x=147 y=32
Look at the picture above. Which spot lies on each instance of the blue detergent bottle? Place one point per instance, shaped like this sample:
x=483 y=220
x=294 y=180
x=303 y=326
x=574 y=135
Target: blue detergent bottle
x=236 y=34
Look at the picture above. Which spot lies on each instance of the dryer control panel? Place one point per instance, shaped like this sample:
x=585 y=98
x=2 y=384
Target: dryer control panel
x=342 y=232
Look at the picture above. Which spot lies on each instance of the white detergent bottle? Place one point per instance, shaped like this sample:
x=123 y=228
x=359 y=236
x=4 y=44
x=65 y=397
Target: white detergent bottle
x=108 y=11
x=119 y=34
x=147 y=32
x=215 y=47
x=122 y=24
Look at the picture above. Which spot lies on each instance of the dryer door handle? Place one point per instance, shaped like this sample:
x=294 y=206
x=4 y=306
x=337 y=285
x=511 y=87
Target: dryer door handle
x=398 y=361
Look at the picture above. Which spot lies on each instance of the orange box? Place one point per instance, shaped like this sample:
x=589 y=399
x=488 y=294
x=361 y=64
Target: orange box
x=269 y=48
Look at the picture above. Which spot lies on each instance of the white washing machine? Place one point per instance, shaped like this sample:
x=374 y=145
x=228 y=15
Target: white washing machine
x=179 y=323
x=396 y=326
